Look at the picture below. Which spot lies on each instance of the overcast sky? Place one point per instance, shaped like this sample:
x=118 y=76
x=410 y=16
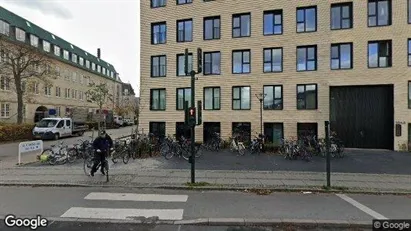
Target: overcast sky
x=111 y=25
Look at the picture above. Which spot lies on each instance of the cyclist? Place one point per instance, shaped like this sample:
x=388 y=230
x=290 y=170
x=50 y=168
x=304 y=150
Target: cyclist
x=102 y=144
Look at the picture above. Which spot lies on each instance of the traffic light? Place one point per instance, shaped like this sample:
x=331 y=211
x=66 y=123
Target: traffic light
x=199 y=60
x=199 y=106
x=192 y=116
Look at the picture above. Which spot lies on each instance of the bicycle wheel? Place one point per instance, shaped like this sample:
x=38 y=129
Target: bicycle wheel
x=114 y=156
x=241 y=150
x=168 y=151
x=72 y=155
x=126 y=156
x=106 y=167
x=87 y=165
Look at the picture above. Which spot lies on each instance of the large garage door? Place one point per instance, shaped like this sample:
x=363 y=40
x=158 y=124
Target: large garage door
x=363 y=116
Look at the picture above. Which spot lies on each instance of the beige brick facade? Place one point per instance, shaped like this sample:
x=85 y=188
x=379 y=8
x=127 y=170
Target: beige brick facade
x=398 y=75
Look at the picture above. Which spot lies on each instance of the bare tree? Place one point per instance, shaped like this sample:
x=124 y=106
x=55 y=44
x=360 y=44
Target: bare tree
x=100 y=95
x=23 y=65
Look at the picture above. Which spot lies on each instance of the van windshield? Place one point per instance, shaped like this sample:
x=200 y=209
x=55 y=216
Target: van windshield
x=47 y=123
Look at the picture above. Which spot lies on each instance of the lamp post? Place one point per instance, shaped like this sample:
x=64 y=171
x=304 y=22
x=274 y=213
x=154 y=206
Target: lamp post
x=261 y=97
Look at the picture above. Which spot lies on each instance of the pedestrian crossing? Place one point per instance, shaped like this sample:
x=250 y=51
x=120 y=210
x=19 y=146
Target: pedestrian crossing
x=128 y=213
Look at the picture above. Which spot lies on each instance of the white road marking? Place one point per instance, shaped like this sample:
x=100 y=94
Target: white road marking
x=123 y=214
x=361 y=207
x=135 y=197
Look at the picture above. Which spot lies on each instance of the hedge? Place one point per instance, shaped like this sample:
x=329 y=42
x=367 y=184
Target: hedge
x=15 y=132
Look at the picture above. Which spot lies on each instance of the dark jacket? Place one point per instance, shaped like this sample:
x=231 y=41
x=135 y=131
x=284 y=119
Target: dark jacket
x=103 y=144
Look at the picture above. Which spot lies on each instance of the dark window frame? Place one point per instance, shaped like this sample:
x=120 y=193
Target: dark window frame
x=379 y=42
x=305 y=96
x=151 y=99
x=158 y=123
x=409 y=13
x=242 y=61
x=301 y=124
x=178 y=64
x=305 y=19
x=271 y=62
x=159 y=66
x=232 y=98
x=351 y=17
x=306 y=55
x=233 y=28
x=184 y=96
x=184 y=3
x=339 y=56
x=212 y=18
x=151 y=4
x=274 y=98
x=244 y=136
x=266 y=132
x=152 y=32
x=211 y=56
x=274 y=13
x=409 y=51
x=376 y=14
x=184 y=30
x=214 y=108
x=409 y=94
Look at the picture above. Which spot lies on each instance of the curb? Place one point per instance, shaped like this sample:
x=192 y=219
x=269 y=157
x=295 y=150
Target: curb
x=312 y=223
x=209 y=188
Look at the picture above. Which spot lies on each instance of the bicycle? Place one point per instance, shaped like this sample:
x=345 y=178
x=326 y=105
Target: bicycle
x=237 y=146
x=89 y=162
x=58 y=155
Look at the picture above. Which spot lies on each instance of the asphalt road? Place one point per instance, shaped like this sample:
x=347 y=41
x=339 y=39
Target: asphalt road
x=117 y=203
x=11 y=149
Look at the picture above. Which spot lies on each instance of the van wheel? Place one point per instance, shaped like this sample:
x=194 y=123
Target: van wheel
x=56 y=136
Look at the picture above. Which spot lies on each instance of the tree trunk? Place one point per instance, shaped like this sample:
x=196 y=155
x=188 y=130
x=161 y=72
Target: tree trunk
x=20 y=107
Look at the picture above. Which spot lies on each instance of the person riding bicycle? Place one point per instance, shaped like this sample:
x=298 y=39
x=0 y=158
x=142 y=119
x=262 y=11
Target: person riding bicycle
x=102 y=144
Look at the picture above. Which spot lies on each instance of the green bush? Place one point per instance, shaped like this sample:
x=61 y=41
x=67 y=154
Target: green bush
x=15 y=132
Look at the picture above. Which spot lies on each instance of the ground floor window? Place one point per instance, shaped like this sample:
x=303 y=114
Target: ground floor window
x=274 y=132
x=307 y=129
x=209 y=129
x=158 y=129
x=243 y=130
x=182 y=130
x=5 y=110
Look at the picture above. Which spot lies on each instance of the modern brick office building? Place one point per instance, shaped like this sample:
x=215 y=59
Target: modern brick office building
x=74 y=67
x=348 y=62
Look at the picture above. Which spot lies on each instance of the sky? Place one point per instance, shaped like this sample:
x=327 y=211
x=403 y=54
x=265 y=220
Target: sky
x=111 y=25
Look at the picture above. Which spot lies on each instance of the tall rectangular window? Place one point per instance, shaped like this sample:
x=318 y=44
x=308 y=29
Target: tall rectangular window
x=211 y=98
x=379 y=54
x=157 y=99
x=274 y=133
x=66 y=54
x=46 y=46
x=341 y=56
x=182 y=2
x=81 y=61
x=241 y=61
x=158 y=129
x=212 y=28
x=241 y=25
x=306 y=96
x=183 y=94
x=74 y=58
x=273 y=60
x=34 y=40
x=88 y=64
x=273 y=22
x=20 y=35
x=341 y=16
x=409 y=13
x=181 y=64
x=185 y=30
x=5 y=110
x=5 y=83
x=273 y=99
x=241 y=98
x=307 y=58
x=159 y=66
x=409 y=52
x=409 y=94
x=306 y=19
x=159 y=33
x=212 y=63
x=4 y=28
x=158 y=3
x=379 y=13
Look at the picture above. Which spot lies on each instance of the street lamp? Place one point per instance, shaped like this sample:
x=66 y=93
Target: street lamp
x=261 y=97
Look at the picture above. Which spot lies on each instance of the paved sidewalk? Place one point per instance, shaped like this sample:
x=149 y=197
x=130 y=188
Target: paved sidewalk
x=217 y=179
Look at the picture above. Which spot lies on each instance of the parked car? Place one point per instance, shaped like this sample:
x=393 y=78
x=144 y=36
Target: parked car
x=55 y=128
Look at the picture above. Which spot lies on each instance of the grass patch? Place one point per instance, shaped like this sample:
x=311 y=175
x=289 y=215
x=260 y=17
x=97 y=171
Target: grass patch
x=261 y=192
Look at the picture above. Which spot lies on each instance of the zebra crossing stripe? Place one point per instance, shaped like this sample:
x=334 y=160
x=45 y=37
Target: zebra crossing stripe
x=122 y=214
x=135 y=197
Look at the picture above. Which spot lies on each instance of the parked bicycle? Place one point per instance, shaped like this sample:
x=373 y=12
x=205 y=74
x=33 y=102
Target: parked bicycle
x=237 y=146
x=58 y=154
x=256 y=145
x=80 y=150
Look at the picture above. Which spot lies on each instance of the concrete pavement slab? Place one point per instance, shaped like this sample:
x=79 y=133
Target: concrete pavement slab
x=294 y=182
x=271 y=182
x=249 y=182
x=226 y=181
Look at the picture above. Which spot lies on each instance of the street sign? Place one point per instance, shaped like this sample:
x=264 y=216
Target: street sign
x=52 y=111
x=29 y=146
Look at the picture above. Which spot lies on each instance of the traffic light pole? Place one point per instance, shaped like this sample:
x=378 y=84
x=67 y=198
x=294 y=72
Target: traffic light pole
x=193 y=79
